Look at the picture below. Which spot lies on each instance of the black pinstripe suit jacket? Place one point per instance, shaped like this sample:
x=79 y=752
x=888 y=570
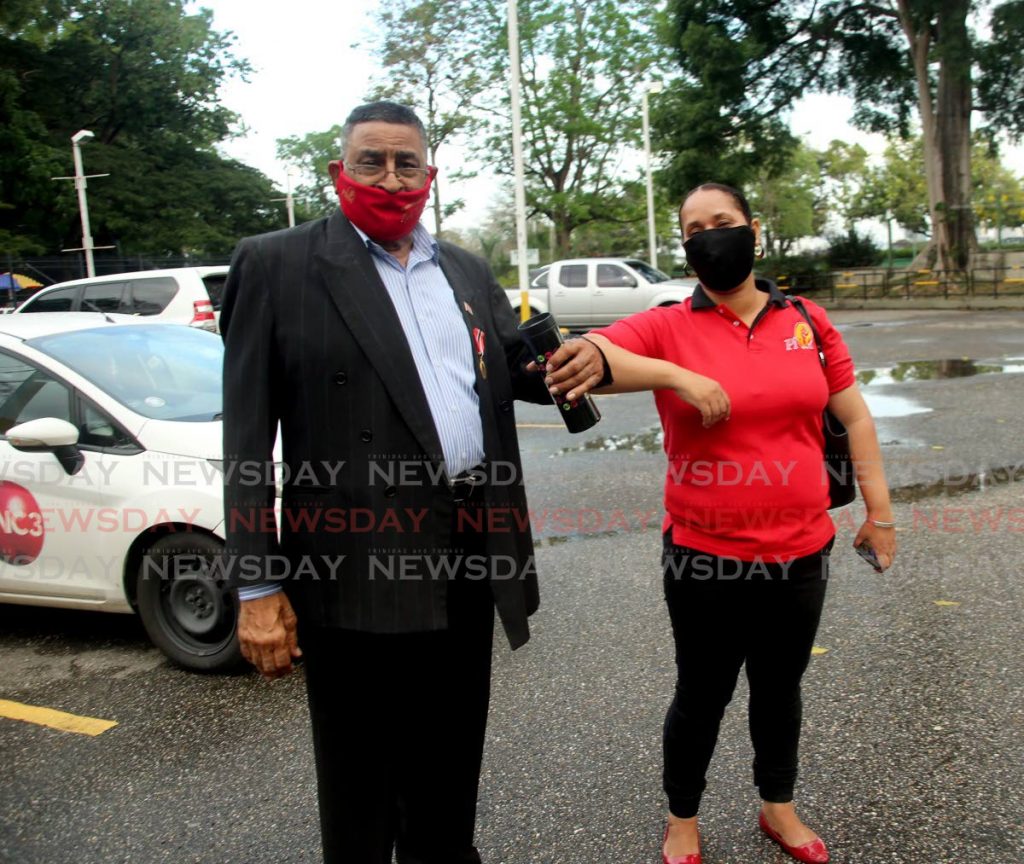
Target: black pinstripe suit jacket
x=313 y=343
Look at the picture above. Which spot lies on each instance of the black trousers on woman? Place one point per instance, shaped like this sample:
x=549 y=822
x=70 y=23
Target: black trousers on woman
x=725 y=613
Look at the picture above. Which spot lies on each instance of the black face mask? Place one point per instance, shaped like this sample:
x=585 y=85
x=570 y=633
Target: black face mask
x=722 y=257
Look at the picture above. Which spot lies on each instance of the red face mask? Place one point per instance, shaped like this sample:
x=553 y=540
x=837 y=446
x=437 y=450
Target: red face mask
x=384 y=216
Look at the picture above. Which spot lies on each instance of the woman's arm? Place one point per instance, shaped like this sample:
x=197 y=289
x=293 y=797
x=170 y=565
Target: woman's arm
x=633 y=372
x=849 y=406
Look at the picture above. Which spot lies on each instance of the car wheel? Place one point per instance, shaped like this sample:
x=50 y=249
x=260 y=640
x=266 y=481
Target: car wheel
x=188 y=611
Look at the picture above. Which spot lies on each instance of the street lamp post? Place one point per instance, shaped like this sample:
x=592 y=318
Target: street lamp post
x=518 y=168
x=83 y=205
x=651 y=87
x=80 y=177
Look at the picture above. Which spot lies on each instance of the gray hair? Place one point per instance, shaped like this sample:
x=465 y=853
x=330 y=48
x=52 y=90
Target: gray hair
x=381 y=112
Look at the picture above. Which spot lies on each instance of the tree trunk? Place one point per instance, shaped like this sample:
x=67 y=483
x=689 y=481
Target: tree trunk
x=954 y=132
x=563 y=236
x=946 y=132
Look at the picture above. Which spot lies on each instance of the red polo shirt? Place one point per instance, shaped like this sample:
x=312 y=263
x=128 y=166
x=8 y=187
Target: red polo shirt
x=751 y=487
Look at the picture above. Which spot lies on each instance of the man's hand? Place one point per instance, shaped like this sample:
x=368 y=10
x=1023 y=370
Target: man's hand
x=574 y=369
x=704 y=394
x=267 y=635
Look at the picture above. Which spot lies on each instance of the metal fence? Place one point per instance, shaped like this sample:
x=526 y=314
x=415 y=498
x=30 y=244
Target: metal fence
x=908 y=284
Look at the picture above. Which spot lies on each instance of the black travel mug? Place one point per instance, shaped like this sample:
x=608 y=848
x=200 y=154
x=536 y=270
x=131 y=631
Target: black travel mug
x=543 y=338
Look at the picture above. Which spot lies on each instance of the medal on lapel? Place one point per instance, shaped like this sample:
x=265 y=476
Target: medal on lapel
x=479 y=343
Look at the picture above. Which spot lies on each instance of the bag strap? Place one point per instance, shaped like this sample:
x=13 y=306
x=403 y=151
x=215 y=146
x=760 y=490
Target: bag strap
x=799 y=305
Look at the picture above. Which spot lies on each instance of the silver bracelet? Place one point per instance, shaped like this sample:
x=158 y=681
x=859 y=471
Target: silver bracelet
x=878 y=523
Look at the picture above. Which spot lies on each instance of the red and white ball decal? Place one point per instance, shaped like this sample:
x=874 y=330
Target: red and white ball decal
x=21 y=525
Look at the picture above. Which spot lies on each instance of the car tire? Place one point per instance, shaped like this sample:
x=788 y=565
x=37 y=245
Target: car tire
x=187 y=609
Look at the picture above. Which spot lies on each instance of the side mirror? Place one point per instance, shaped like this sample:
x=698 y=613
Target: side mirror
x=49 y=433
x=629 y=281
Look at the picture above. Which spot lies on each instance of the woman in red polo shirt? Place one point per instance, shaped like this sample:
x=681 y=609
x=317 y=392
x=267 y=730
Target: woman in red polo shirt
x=740 y=391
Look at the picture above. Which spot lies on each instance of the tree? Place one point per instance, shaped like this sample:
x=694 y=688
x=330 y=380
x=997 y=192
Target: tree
x=788 y=203
x=998 y=192
x=843 y=171
x=428 y=50
x=310 y=155
x=143 y=75
x=747 y=61
x=583 y=64
x=897 y=188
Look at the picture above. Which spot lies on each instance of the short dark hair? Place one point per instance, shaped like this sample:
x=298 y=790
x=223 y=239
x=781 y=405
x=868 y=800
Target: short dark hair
x=731 y=191
x=381 y=111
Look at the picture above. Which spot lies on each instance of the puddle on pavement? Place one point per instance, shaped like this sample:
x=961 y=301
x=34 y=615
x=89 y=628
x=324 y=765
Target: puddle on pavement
x=648 y=441
x=931 y=370
x=960 y=484
x=884 y=406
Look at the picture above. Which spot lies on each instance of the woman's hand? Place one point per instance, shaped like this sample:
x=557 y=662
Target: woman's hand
x=704 y=394
x=882 y=540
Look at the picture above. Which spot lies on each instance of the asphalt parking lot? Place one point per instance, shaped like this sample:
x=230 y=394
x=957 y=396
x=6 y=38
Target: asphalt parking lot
x=914 y=705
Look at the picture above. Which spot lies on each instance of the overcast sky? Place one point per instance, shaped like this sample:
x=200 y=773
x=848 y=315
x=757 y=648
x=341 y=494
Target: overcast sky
x=307 y=77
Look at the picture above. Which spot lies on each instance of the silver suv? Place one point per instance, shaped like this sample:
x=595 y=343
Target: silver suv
x=184 y=295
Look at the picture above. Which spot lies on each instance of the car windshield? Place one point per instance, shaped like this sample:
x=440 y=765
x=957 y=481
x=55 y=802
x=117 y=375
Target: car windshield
x=647 y=271
x=162 y=371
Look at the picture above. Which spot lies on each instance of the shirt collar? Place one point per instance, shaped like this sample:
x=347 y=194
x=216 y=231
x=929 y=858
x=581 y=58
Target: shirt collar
x=423 y=243
x=700 y=299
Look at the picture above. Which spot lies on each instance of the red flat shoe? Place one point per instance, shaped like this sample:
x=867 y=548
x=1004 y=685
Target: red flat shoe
x=814 y=852
x=693 y=858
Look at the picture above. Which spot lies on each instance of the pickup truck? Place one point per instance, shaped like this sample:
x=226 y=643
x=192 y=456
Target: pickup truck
x=589 y=292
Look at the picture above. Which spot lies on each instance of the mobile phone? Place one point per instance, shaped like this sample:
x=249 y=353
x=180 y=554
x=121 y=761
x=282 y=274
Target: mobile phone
x=868 y=554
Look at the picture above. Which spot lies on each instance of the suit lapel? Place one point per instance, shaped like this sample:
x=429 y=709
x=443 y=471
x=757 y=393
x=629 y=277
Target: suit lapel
x=359 y=294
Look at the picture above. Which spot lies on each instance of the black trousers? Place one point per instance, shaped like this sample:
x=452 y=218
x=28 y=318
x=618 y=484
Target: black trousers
x=725 y=613
x=398 y=733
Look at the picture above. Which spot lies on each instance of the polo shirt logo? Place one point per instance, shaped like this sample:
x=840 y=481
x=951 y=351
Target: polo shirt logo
x=802 y=338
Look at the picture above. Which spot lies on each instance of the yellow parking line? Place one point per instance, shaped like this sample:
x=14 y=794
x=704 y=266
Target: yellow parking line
x=55 y=719
x=540 y=425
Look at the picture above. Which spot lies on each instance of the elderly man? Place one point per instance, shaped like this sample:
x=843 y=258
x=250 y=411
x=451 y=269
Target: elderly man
x=389 y=361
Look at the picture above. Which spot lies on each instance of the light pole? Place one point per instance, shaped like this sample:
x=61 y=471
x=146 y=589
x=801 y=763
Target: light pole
x=650 y=87
x=83 y=205
x=517 y=159
x=289 y=199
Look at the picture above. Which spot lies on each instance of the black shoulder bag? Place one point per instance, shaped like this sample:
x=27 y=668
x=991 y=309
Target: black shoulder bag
x=842 y=487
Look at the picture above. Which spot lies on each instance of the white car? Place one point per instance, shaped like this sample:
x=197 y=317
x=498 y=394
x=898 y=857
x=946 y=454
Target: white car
x=182 y=295
x=110 y=481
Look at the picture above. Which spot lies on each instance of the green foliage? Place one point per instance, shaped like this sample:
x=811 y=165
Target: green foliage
x=896 y=189
x=310 y=154
x=787 y=203
x=429 y=51
x=852 y=250
x=744 y=63
x=143 y=75
x=1001 y=60
x=583 y=64
x=998 y=192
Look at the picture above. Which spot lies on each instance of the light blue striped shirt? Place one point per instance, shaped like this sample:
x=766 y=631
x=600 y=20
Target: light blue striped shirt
x=441 y=348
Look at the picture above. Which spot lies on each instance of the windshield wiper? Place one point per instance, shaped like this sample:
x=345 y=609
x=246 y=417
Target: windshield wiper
x=94 y=308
